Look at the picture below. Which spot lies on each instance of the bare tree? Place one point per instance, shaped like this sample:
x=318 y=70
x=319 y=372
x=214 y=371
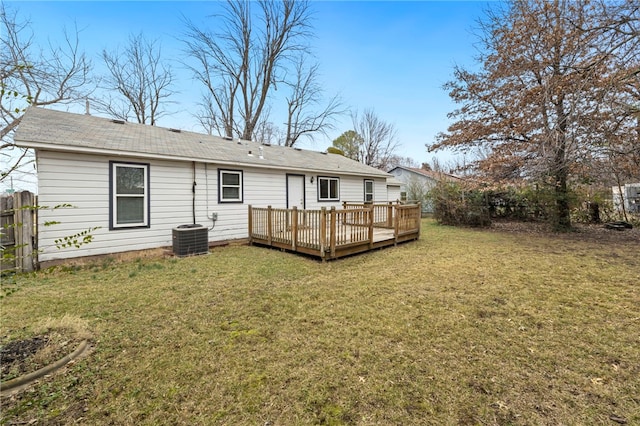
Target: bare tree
x=242 y=63
x=548 y=96
x=618 y=33
x=31 y=75
x=306 y=113
x=207 y=116
x=396 y=160
x=140 y=79
x=417 y=189
x=268 y=133
x=379 y=139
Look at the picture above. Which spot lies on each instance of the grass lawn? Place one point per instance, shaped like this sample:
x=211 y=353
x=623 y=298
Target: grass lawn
x=462 y=327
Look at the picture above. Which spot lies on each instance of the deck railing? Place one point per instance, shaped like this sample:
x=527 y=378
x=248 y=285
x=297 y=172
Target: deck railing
x=327 y=231
x=406 y=219
x=382 y=212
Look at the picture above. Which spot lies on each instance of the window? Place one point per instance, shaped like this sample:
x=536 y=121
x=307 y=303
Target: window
x=368 y=191
x=230 y=186
x=328 y=189
x=129 y=190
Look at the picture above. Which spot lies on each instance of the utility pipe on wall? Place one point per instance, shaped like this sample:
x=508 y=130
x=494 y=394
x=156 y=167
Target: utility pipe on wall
x=193 y=190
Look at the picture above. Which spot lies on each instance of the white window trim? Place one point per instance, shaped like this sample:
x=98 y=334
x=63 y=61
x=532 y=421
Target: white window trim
x=329 y=179
x=221 y=186
x=373 y=190
x=115 y=196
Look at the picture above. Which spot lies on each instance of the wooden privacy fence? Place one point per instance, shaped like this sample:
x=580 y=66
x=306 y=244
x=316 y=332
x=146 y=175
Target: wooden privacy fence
x=332 y=233
x=18 y=220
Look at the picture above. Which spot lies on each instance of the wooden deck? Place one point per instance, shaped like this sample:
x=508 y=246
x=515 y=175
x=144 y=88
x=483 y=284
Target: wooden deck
x=334 y=233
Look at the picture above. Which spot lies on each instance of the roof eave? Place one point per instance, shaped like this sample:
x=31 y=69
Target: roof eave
x=97 y=151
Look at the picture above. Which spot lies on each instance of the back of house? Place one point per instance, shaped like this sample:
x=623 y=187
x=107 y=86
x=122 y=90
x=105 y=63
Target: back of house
x=136 y=183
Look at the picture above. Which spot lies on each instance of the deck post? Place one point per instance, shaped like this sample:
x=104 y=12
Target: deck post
x=250 y=224
x=323 y=231
x=390 y=214
x=269 y=225
x=371 y=227
x=294 y=228
x=419 y=219
x=332 y=236
x=396 y=224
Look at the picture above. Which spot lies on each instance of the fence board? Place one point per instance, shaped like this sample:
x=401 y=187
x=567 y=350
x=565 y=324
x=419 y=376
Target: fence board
x=18 y=227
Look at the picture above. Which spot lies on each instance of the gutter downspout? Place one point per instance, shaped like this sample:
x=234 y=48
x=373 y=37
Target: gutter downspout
x=193 y=190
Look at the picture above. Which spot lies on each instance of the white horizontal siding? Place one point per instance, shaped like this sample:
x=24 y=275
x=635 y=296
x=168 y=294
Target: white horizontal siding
x=380 y=191
x=83 y=181
x=393 y=193
x=351 y=190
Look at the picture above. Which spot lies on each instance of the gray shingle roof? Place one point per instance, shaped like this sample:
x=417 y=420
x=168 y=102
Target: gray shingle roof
x=429 y=173
x=62 y=131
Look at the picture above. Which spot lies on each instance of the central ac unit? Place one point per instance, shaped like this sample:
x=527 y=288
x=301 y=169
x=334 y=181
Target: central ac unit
x=190 y=239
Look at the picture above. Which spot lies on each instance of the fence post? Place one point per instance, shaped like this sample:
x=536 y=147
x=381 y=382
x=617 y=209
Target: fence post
x=7 y=230
x=25 y=215
x=18 y=211
x=390 y=214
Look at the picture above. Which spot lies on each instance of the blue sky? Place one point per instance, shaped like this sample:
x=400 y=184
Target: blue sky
x=392 y=57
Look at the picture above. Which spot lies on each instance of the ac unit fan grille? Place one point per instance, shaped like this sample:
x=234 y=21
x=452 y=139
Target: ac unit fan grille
x=190 y=240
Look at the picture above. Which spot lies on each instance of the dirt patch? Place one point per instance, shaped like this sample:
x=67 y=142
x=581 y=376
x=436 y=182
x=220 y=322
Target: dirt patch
x=14 y=356
x=24 y=356
x=23 y=352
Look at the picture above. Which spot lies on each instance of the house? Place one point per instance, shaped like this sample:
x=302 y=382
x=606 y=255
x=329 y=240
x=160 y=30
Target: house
x=627 y=195
x=394 y=192
x=416 y=183
x=137 y=183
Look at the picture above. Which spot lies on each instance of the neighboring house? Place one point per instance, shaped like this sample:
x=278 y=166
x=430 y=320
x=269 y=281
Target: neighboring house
x=416 y=184
x=631 y=197
x=394 y=192
x=138 y=182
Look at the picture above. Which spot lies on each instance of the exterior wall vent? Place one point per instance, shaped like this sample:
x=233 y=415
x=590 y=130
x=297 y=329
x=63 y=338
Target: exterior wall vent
x=190 y=240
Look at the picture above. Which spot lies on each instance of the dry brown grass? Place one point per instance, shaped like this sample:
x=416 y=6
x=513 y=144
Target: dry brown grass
x=461 y=327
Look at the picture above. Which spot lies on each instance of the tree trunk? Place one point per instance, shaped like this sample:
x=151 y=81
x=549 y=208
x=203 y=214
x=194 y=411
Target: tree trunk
x=562 y=219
